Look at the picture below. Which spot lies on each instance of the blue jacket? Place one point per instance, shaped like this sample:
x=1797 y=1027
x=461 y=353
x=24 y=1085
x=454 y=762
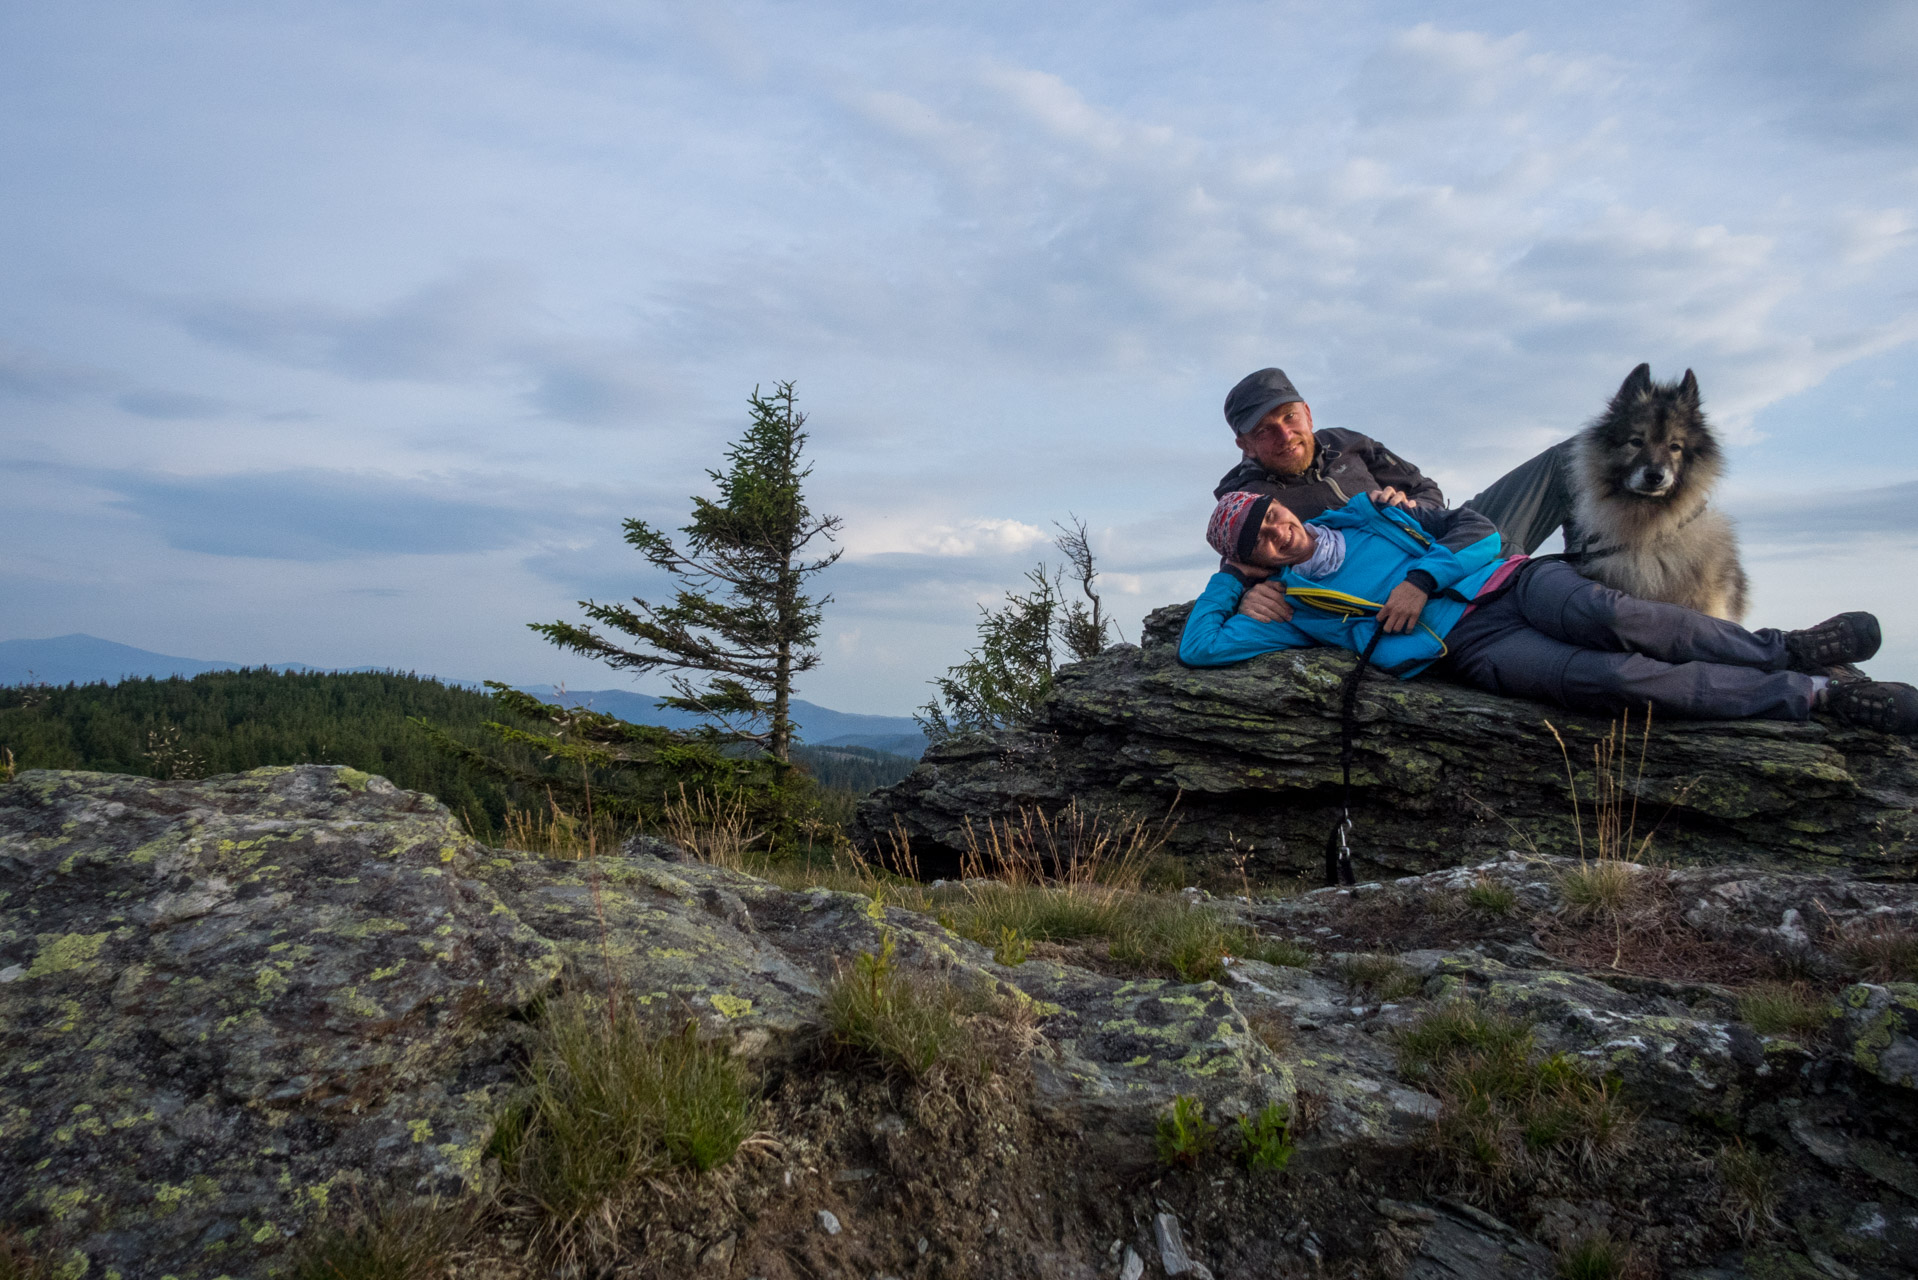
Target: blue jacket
x=1448 y=553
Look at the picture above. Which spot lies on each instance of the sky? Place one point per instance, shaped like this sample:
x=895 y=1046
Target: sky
x=349 y=333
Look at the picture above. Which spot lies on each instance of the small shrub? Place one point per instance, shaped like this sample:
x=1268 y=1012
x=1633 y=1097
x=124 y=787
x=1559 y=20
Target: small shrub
x=1265 y=1142
x=1752 y=1189
x=1492 y=898
x=1186 y=1134
x=610 y=1103
x=1013 y=949
x=915 y=1024
x=410 y=1243
x=1884 y=954
x=1595 y=1258
x=1781 y=1008
x=1384 y=978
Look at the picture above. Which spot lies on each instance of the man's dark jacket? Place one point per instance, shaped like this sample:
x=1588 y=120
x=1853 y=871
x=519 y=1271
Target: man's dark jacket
x=1345 y=463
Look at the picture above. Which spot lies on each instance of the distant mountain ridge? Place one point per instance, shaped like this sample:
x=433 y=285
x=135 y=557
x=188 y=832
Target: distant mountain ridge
x=818 y=726
x=85 y=659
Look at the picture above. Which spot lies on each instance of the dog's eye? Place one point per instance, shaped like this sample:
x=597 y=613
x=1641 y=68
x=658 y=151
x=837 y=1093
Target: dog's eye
x=1678 y=448
x=1637 y=442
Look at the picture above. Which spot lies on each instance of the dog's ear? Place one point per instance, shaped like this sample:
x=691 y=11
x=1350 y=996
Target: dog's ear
x=1688 y=389
x=1637 y=383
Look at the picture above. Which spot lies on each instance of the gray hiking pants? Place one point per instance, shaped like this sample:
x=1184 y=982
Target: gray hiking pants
x=1531 y=501
x=1556 y=636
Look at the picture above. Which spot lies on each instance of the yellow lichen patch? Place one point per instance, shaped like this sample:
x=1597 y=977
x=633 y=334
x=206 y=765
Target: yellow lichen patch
x=420 y=1130
x=380 y=975
x=730 y=1005
x=353 y=779
x=62 y=1202
x=60 y=953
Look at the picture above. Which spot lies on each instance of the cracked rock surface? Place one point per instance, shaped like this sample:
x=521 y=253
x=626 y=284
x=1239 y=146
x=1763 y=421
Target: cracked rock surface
x=1443 y=774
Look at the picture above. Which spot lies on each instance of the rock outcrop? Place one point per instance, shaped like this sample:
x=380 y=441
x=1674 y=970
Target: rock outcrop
x=228 y=1005
x=1246 y=760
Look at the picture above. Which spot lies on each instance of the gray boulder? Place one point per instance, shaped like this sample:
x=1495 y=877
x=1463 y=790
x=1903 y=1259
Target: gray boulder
x=1246 y=760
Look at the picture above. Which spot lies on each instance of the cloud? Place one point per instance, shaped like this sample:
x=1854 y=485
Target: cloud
x=1825 y=519
x=974 y=537
x=170 y=405
x=316 y=515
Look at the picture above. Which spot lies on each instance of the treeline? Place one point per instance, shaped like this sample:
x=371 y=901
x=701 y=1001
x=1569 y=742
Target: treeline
x=230 y=721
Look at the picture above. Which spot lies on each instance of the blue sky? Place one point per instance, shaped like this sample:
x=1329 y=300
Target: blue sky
x=347 y=333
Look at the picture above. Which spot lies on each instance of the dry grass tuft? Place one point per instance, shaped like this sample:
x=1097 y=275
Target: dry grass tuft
x=410 y=1241
x=1595 y=1258
x=1508 y=1114
x=18 y=1262
x=1492 y=898
x=1383 y=978
x=1886 y=953
x=1753 y=1189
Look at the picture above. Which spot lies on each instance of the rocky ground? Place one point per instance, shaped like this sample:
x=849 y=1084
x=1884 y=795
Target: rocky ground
x=1245 y=759
x=233 y=1011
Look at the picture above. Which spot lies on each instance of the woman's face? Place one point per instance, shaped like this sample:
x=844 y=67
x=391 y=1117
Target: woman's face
x=1283 y=539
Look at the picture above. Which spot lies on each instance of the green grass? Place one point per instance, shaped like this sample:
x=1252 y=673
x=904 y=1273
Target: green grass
x=1155 y=933
x=609 y=1103
x=1265 y=1141
x=1507 y=1111
x=1289 y=955
x=1784 y=1008
x=914 y=1024
x=1383 y=978
x=1492 y=898
x=1185 y=1134
x=414 y=1242
x=1594 y=1258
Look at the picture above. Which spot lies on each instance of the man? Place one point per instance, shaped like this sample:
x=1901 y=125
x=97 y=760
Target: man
x=1433 y=581
x=1313 y=471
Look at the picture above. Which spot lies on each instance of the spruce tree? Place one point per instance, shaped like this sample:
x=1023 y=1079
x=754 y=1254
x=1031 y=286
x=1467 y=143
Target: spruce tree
x=741 y=626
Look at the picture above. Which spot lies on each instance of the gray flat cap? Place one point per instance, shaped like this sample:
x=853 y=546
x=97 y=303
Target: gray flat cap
x=1257 y=395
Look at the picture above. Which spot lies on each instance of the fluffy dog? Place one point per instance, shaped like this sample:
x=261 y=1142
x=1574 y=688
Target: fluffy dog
x=1642 y=475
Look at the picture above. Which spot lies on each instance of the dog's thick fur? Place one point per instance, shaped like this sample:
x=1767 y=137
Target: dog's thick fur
x=1642 y=475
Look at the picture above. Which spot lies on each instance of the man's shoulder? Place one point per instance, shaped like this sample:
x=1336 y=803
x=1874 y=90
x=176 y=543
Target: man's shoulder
x=1247 y=477
x=1342 y=439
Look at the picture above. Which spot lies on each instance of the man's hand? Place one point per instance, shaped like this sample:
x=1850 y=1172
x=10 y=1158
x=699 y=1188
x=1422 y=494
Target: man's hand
x=1401 y=609
x=1392 y=497
x=1266 y=602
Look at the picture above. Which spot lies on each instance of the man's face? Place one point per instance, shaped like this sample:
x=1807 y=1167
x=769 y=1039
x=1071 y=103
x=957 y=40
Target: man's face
x=1282 y=442
x=1283 y=540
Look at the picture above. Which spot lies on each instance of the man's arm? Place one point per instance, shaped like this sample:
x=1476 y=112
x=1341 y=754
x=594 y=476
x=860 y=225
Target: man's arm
x=1394 y=472
x=1532 y=501
x=1215 y=634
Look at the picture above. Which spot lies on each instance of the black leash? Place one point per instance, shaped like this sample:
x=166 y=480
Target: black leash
x=1338 y=854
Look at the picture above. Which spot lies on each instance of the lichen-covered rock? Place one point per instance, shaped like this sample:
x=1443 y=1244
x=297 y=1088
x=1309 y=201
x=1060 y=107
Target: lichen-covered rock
x=225 y=1004
x=222 y=1001
x=1442 y=773
x=1881 y=1028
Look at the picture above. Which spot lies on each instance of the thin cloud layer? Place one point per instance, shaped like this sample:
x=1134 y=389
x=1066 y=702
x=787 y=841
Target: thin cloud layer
x=294 y=305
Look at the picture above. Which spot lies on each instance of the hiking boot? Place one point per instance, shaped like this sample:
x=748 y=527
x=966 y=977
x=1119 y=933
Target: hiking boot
x=1849 y=637
x=1883 y=705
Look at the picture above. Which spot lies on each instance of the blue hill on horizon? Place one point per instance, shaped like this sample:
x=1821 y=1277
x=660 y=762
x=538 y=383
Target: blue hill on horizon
x=83 y=659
